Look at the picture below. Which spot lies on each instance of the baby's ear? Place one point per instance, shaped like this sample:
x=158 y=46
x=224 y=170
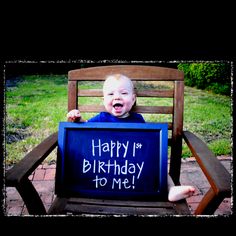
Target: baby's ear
x=134 y=98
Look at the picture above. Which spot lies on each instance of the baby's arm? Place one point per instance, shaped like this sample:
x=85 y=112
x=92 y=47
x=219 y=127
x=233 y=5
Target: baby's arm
x=75 y=116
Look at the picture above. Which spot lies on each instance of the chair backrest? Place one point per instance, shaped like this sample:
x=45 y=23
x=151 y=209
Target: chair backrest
x=149 y=82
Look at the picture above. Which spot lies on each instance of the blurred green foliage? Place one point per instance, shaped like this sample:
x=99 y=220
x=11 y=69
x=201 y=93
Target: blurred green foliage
x=210 y=76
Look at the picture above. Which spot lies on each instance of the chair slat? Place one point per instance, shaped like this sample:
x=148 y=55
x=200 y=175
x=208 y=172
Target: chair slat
x=154 y=109
x=106 y=206
x=139 y=109
x=120 y=203
x=135 y=72
x=143 y=93
x=117 y=210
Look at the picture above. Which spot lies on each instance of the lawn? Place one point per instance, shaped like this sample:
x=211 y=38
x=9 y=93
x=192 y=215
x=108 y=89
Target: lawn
x=36 y=104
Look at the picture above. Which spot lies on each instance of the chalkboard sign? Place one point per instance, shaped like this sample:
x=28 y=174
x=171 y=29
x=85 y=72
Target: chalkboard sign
x=112 y=160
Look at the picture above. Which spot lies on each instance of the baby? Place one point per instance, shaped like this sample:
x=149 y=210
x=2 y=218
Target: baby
x=119 y=98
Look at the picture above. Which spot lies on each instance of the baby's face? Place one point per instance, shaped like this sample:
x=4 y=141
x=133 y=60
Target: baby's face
x=118 y=96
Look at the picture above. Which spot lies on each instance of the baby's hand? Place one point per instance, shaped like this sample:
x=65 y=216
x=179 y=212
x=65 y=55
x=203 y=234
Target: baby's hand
x=74 y=115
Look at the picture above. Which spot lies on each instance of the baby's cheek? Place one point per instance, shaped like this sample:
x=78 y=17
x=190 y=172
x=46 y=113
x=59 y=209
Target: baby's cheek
x=130 y=106
x=108 y=107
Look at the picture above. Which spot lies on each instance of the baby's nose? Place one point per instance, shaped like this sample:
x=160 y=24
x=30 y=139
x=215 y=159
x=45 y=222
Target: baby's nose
x=116 y=96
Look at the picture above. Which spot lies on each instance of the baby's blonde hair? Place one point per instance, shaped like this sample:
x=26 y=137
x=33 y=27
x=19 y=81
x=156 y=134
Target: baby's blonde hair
x=119 y=77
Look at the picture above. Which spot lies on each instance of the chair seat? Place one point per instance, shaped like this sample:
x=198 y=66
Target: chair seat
x=83 y=206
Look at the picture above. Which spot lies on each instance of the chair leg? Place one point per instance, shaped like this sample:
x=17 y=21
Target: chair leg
x=209 y=203
x=31 y=198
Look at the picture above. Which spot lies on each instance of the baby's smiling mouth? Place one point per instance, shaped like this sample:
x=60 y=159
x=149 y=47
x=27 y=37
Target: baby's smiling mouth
x=117 y=105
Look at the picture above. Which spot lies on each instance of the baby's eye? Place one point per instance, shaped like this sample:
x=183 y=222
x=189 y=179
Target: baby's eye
x=124 y=93
x=110 y=94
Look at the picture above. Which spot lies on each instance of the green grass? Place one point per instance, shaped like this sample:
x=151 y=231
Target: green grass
x=210 y=117
x=36 y=104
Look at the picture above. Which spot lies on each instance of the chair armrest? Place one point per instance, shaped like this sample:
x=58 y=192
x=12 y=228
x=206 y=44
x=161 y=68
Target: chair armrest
x=18 y=175
x=31 y=161
x=215 y=172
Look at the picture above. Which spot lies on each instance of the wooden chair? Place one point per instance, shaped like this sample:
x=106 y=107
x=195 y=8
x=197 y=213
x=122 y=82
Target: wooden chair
x=216 y=174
